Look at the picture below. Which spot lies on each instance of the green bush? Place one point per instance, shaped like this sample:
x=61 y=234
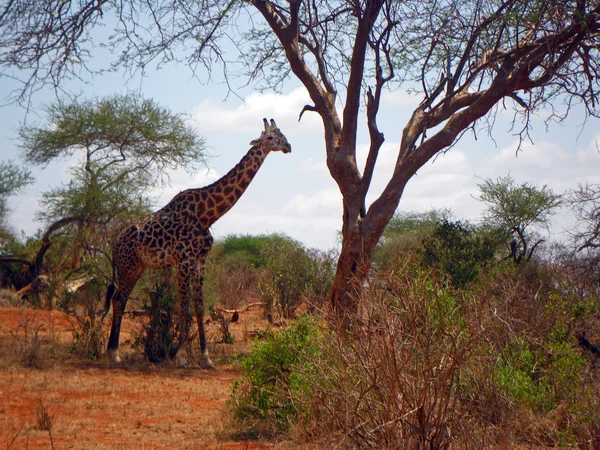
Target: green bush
x=459 y=250
x=541 y=379
x=288 y=276
x=273 y=393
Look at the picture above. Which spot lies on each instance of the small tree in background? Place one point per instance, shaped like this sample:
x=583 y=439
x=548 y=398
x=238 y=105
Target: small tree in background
x=516 y=209
x=585 y=203
x=288 y=276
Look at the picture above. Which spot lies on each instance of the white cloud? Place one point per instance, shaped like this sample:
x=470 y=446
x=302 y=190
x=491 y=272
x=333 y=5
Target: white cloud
x=212 y=115
x=325 y=202
x=400 y=99
x=311 y=165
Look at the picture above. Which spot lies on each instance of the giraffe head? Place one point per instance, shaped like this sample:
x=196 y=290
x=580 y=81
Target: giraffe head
x=272 y=139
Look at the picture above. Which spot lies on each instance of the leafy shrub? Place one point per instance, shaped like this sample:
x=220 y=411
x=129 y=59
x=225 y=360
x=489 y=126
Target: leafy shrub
x=275 y=388
x=403 y=236
x=288 y=276
x=459 y=250
x=231 y=277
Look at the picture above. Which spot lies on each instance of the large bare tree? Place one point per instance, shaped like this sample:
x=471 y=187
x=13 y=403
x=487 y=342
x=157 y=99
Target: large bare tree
x=465 y=58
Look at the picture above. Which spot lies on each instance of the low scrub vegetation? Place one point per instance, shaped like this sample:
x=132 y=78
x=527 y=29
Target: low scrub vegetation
x=455 y=346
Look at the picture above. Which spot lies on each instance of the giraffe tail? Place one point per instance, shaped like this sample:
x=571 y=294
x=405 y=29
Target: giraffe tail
x=110 y=292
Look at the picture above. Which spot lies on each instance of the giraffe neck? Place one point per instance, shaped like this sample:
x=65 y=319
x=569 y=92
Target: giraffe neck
x=219 y=197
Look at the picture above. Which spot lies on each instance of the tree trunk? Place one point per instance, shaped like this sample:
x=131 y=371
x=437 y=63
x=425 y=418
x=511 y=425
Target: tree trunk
x=352 y=271
x=354 y=263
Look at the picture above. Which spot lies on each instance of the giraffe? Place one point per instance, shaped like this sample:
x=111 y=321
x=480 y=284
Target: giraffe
x=178 y=236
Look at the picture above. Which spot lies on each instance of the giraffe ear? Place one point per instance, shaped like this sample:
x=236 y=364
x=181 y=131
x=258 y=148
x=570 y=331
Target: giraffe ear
x=266 y=123
x=254 y=142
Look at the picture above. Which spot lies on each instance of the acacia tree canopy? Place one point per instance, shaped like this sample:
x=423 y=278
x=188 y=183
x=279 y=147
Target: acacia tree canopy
x=463 y=57
x=124 y=144
x=515 y=209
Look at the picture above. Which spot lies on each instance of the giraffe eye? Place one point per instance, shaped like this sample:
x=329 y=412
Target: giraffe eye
x=270 y=138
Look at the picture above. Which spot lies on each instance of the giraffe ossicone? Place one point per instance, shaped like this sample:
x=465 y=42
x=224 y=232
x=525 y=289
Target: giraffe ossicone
x=178 y=236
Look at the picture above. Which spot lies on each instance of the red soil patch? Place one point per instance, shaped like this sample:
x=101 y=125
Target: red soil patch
x=94 y=405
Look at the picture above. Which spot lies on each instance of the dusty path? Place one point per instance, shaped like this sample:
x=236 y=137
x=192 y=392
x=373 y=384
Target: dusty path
x=95 y=406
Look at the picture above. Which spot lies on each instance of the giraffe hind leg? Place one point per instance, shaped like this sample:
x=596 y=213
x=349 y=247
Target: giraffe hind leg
x=119 y=301
x=110 y=293
x=183 y=282
x=198 y=282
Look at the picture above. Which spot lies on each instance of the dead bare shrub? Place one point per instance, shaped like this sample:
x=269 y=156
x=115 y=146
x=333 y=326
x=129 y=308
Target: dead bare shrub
x=27 y=340
x=80 y=309
x=44 y=419
x=392 y=382
x=233 y=287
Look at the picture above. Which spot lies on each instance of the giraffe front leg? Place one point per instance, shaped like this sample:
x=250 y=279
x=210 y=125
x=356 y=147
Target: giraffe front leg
x=183 y=279
x=198 y=281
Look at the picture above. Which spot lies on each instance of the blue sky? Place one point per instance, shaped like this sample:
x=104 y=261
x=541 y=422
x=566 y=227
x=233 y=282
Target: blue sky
x=294 y=193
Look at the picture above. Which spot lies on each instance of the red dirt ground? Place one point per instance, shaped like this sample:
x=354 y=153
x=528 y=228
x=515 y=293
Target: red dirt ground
x=96 y=406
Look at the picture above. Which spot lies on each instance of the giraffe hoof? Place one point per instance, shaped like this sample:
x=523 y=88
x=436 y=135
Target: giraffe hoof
x=113 y=357
x=207 y=364
x=182 y=364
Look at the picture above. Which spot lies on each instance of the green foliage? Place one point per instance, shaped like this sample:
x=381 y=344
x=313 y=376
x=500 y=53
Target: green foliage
x=540 y=379
x=273 y=393
x=245 y=249
x=125 y=128
x=13 y=178
x=289 y=273
x=459 y=250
